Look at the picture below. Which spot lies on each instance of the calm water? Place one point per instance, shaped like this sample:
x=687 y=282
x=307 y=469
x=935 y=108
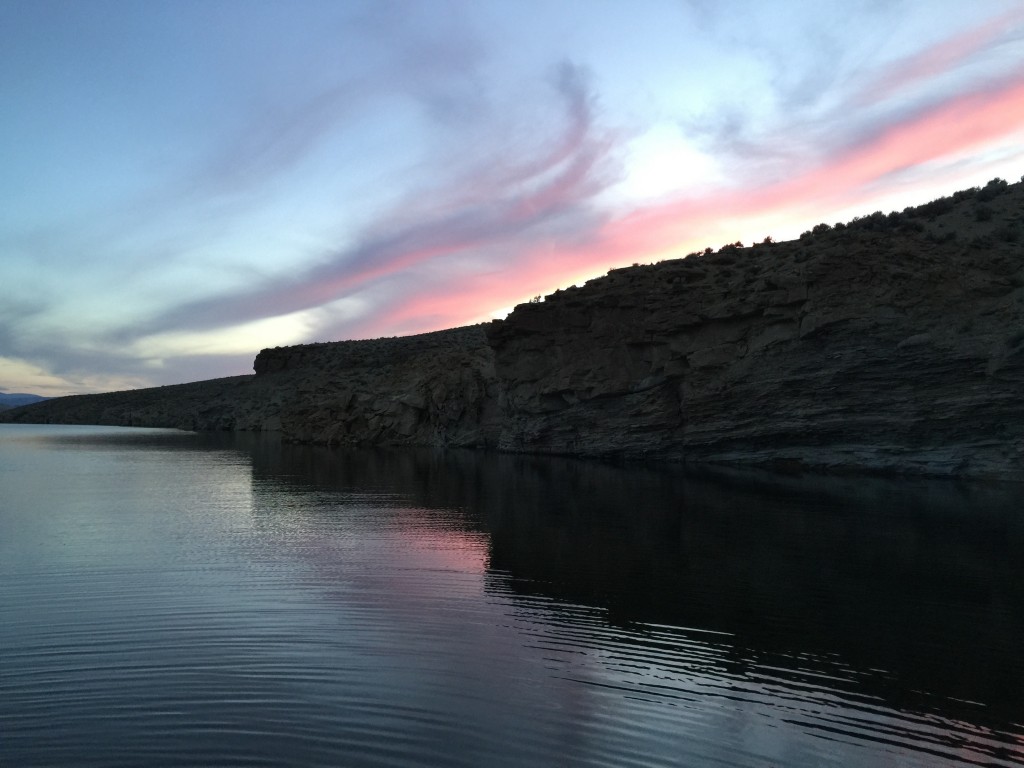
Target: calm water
x=177 y=599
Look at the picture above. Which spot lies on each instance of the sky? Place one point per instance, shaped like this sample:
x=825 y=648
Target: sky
x=184 y=183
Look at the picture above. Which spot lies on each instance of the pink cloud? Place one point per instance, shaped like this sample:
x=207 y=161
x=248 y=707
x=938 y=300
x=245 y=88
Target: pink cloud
x=514 y=205
x=941 y=57
x=464 y=299
x=966 y=123
x=961 y=125
x=519 y=228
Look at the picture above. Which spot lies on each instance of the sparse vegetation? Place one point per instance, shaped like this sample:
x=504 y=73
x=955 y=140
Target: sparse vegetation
x=934 y=208
x=992 y=190
x=912 y=219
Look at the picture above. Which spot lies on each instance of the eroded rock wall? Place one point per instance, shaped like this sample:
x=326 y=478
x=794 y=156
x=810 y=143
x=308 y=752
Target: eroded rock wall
x=890 y=350
x=895 y=343
x=434 y=389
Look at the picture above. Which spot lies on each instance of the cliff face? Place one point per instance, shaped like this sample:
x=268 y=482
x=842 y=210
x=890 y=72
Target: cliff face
x=431 y=389
x=893 y=343
x=867 y=349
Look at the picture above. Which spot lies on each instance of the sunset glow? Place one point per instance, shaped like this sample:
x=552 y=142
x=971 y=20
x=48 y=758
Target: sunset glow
x=185 y=185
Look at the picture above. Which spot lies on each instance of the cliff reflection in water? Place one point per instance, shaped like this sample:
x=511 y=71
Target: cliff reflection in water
x=915 y=588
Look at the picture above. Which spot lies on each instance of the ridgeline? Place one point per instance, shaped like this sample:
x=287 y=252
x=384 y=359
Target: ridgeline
x=892 y=343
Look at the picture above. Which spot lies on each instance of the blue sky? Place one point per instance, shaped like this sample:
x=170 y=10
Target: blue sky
x=184 y=183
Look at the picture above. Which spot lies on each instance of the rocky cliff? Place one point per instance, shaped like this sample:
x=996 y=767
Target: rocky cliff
x=430 y=389
x=893 y=343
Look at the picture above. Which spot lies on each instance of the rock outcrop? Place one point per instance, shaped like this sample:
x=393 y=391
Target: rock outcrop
x=430 y=389
x=893 y=343
x=857 y=349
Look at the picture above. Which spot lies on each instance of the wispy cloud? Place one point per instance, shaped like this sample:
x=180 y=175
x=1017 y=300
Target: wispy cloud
x=508 y=201
x=838 y=104
x=850 y=174
x=948 y=55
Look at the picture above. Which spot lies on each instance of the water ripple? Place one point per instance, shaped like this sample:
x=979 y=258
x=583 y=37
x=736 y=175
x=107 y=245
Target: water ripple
x=217 y=616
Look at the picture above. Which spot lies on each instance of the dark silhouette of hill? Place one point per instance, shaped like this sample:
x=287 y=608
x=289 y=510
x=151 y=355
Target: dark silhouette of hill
x=15 y=399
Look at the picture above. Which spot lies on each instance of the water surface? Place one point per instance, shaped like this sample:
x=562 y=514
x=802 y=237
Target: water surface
x=179 y=599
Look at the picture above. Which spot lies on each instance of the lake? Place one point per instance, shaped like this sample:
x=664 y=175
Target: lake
x=171 y=598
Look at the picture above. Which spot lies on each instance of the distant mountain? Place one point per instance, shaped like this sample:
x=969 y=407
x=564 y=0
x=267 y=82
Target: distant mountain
x=14 y=399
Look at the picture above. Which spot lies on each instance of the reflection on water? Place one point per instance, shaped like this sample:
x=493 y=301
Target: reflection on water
x=219 y=600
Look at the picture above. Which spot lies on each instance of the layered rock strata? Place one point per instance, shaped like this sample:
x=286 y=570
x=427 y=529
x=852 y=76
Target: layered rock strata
x=859 y=349
x=894 y=343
